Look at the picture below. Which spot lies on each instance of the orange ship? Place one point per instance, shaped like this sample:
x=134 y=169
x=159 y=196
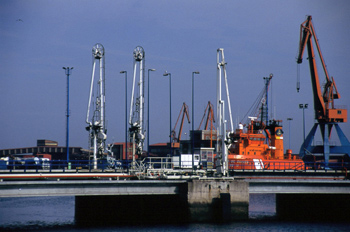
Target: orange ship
x=261 y=147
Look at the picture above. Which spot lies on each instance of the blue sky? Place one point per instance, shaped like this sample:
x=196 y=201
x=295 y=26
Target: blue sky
x=258 y=37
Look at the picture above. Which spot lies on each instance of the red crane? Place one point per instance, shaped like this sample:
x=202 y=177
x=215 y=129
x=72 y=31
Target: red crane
x=176 y=139
x=326 y=114
x=323 y=102
x=209 y=111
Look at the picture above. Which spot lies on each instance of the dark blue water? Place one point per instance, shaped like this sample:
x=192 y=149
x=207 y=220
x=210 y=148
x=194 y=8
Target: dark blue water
x=57 y=214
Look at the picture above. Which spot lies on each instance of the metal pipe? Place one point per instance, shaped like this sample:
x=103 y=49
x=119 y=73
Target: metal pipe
x=102 y=109
x=219 y=137
x=132 y=94
x=227 y=92
x=141 y=98
x=90 y=94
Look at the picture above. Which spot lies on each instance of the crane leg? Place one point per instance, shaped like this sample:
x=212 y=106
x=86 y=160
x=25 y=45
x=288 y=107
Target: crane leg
x=326 y=150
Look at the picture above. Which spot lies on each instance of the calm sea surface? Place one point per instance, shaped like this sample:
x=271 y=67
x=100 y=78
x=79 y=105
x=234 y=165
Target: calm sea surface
x=57 y=214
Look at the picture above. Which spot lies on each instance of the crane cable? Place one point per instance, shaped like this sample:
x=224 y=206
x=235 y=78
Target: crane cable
x=253 y=110
x=298 y=77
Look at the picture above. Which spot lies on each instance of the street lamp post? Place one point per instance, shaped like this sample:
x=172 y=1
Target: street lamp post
x=169 y=74
x=289 y=119
x=68 y=72
x=151 y=69
x=196 y=72
x=126 y=113
x=303 y=106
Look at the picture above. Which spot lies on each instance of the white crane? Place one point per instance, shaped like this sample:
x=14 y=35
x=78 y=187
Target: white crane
x=136 y=119
x=96 y=122
x=222 y=141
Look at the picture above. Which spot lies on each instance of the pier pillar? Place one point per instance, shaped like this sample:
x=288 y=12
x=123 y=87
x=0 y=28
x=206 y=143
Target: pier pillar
x=311 y=207
x=214 y=200
x=218 y=200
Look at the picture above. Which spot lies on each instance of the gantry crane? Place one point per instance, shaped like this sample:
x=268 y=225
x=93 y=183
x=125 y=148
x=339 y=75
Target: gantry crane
x=96 y=123
x=326 y=114
x=136 y=119
x=177 y=138
x=222 y=141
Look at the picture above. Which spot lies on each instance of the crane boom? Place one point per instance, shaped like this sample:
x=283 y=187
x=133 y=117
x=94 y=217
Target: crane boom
x=210 y=116
x=183 y=112
x=210 y=120
x=323 y=100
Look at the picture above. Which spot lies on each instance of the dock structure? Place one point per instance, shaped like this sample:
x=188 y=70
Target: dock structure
x=110 y=200
x=143 y=200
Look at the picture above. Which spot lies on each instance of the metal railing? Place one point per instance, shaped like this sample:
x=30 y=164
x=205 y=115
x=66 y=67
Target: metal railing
x=160 y=163
x=265 y=165
x=63 y=165
x=168 y=163
x=286 y=165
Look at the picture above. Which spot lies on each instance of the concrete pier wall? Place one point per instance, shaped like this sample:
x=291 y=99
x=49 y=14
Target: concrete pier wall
x=218 y=200
x=196 y=201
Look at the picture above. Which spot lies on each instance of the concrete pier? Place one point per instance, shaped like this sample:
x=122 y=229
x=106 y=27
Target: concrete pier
x=107 y=200
x=196 y=201
x=218 y=200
